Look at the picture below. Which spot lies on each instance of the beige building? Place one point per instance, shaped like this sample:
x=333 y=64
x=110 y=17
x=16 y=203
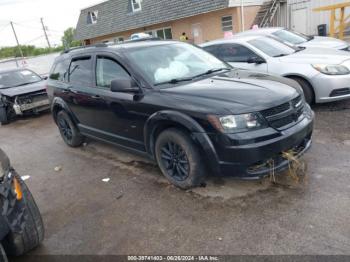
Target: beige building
x=201 y=20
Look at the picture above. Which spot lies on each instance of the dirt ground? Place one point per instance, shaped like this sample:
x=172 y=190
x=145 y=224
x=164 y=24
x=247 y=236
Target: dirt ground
x=138 y=212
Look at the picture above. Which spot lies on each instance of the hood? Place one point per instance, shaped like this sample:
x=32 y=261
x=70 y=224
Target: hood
x=315 y=55
x=20 y=90
x=236 y=92
x=326 y=42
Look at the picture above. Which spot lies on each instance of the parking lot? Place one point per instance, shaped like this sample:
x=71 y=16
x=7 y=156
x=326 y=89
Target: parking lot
x=138 y=212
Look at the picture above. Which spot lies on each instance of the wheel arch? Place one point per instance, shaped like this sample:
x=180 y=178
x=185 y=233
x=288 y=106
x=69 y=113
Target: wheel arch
x=163 y=120
x=291 y=76
x=59 y=104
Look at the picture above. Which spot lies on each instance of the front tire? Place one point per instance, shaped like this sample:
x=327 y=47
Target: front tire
x=3 y=116
x=68 y=130
x=32 y=235
x=307 y=89
x=179 y=159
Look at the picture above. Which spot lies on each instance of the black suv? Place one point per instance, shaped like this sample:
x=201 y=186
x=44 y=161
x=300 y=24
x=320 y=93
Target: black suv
x=184 y=108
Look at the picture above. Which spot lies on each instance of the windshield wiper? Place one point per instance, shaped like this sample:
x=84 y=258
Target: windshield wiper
x=280 y=55
x=210 y=71
x=300 y=48
x=175 y=81
x=309 y=38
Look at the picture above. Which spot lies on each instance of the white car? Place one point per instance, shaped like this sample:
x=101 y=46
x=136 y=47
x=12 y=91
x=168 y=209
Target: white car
x=323 y=73
x=137 y=36
x=293 y=38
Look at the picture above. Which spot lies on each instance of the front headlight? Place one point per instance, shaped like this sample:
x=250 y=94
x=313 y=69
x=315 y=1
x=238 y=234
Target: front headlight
x=236 y=123
x=332 y=69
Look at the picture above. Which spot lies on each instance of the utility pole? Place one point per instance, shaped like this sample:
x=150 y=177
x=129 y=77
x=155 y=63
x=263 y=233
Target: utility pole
x=19 y=47
x=242 y=15
x=47 y=39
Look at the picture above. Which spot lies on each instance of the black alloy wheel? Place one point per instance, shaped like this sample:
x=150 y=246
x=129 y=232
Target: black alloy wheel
x=65 y=129
x=175 y=161
x=179 y=158
x=69 y=132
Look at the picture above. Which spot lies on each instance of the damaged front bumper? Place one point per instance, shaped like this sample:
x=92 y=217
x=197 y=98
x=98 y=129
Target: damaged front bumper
x=248 y=155
x=31 y=103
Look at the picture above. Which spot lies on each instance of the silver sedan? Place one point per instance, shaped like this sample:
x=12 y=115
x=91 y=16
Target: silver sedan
x=323 y=73
x=294 y=38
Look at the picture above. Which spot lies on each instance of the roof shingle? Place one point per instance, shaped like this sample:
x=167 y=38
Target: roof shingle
x=117 y=16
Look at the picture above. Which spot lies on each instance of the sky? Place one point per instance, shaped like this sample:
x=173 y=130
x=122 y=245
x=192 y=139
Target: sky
x=58 y=15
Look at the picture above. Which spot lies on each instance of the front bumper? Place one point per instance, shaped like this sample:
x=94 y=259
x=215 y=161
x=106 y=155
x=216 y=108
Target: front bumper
x=34 y=106
x=330 y=88
x=238 y=160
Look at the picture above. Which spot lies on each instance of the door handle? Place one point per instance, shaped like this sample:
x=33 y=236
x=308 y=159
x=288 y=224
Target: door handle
x=96 y=97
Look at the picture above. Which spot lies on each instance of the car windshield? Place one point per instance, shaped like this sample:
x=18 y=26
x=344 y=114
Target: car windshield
x=17 y=78
x=291 y=37
x=272 y=47
x=172 y=63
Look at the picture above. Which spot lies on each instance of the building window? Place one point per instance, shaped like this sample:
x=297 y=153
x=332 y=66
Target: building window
x=226 y=23
x=163 y=33
x=92 y=17
x=136 y=5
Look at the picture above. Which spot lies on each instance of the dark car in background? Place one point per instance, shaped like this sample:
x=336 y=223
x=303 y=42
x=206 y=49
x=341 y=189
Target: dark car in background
x=21 y=92
x=181 y=106
x=21 y=225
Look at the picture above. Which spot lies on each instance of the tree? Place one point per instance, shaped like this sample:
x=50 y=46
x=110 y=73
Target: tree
x=68 y=38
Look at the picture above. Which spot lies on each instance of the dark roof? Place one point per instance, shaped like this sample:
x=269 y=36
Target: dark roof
x=116 y=15
x=119 y=48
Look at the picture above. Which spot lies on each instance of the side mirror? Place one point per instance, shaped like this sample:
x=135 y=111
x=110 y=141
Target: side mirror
x=256 y=60
x=124 y=85
x=44 y=77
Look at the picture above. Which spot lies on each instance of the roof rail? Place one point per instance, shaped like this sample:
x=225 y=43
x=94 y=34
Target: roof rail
x=110 y=44
x=82 y=47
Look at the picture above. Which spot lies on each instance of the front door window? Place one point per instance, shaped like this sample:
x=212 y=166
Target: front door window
x=107 y=70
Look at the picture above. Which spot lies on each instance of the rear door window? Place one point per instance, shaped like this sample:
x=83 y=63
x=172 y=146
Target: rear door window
x=80 y=71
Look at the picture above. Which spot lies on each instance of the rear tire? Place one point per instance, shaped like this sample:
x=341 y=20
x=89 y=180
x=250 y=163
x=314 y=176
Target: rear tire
x=68 y=130
x=179 y=159
x=308 y=91
x=3 y=116
x=32 y=234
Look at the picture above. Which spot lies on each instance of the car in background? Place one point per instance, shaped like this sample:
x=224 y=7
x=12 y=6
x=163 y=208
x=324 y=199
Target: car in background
x=182 y=107
x=21 y=92
x=323 y=73
x=297 y=39
x=137 y=36
x=21 y=225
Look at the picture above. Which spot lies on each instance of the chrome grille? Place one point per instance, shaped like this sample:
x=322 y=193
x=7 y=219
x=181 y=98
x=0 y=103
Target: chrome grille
x=284 y=115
